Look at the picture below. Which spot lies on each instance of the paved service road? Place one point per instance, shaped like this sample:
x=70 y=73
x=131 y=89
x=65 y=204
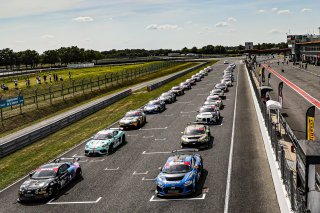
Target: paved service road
x=123 y=181
x=294 y=104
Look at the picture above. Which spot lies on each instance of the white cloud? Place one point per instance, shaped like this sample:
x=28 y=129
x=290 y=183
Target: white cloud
x=232 y=19
x=19 y=41
x=305 y=10
x=274 y=9
x=83 y=19
x=47 y=36
x=222 y=24
x=162 y=27
x=284 y=12
x=231 y=30
x=261 y=11
x=275 y=31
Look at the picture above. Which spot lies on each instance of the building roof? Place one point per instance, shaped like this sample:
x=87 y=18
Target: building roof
x=309 y=42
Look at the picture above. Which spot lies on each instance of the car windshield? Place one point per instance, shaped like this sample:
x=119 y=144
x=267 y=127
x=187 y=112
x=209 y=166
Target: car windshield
x=44 y=173
x=173 y=168
x=175 y=88
x=132 y=114
x=207 y=109
x=165 y=94
x=154 y=103
x=195 y=131
x=214 y=98
x=217 y=91
x=220 y=85
x=102 y=136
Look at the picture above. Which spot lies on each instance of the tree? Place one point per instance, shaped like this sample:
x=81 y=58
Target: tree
x=50 y=57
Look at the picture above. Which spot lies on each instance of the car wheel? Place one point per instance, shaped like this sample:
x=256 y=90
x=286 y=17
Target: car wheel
x=139 y=125
x=123 y=140
x=78 y=174
x=194 y=190
x=110 y=148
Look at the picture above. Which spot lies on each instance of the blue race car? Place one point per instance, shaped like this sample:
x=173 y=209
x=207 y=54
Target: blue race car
x=180 y=174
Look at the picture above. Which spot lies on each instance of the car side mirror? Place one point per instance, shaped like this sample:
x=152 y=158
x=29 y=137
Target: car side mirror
x=30 y=174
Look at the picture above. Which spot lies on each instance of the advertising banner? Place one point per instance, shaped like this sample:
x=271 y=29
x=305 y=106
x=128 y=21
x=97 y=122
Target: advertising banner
x=310 y=123
x=11 y=102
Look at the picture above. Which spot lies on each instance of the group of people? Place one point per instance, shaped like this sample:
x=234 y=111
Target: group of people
x=46 y=79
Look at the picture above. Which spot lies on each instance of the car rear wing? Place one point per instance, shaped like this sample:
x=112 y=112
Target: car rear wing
x=116 y=128
x=185 y=150
x=58 y=160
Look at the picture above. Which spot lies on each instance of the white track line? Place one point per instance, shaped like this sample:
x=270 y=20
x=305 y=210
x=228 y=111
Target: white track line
x=160 y=139
x=177 y=199
x=148 y=136
x=227 y=197
x=141 y=173
x=146 y=179
x=76 y=202
x=150 y=153
x=160 y=128
x=111 y=169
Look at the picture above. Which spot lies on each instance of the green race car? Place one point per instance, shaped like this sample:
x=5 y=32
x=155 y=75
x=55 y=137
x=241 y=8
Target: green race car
x=105 y=141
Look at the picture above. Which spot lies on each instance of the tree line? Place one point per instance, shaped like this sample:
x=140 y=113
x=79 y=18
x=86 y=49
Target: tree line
x=65 y=55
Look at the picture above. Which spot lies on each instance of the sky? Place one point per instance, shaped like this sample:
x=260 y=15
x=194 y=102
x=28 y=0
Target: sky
x=151 y=24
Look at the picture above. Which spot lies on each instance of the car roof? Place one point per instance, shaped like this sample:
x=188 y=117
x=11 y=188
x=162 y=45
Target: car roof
x=184 y=158
x=51 y=165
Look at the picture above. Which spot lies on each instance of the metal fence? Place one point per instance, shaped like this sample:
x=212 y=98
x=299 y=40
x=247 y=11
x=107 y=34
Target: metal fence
x=48 y=94
x=288 y=175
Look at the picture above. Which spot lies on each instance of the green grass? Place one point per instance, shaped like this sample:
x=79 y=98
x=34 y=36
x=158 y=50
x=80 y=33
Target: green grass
x=29 y=117
x=76 y=74
x=25 y=160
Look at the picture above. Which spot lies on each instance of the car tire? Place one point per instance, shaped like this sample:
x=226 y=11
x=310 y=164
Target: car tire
x=123 y=139
x=110 y=149
x=78 y=174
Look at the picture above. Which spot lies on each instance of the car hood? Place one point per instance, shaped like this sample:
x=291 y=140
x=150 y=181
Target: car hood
x=150 y=106
x=98 y=143
x=128 y=119
x=206 y=114
x=35 y=183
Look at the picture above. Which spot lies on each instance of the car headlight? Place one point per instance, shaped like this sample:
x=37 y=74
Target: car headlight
x=184 y=138
x=187 y=183
x=202 y=138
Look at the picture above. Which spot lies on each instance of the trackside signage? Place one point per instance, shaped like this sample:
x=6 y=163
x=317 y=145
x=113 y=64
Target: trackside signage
x=310 y=123
x=11 y=102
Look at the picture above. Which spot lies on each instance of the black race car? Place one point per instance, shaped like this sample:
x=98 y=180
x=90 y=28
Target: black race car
x=49 y=179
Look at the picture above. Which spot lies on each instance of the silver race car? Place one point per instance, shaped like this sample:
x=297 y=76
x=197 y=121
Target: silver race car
x=168 y=97
x=227 y=81
x=218 y=92
x=178 y=90
x=214 y=100
x=154 y=106
x=208 y=115
x=196 y=135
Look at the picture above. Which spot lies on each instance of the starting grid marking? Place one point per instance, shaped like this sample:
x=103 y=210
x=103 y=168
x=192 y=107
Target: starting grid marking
x=146 y=179
x=141 y=173
x=153 y=199
x=148 y=136
x=160 y=139
x=75 y=202
x=188 y=112
x=151 y=153
x=106 y=169
x=159 y=128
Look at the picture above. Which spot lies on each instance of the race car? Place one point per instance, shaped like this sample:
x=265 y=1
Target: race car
x=105 y=141
x=196 y=135
x=154 y=106
x=204 y=72
x=214 y=100
x=47 y=181
x=168 y=97
x=221 y=86
x=185 y=85
x=133 y=118
x=178 y=90
x=208 y=115
x=200 y=74
x=196 y=78
x=226 y=62
x=180 y=174
x=227 y=81
x=218 y=92
x=191 y=81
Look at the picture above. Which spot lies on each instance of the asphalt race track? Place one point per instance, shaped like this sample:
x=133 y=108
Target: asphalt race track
x=295 y=105
x=124 y=180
